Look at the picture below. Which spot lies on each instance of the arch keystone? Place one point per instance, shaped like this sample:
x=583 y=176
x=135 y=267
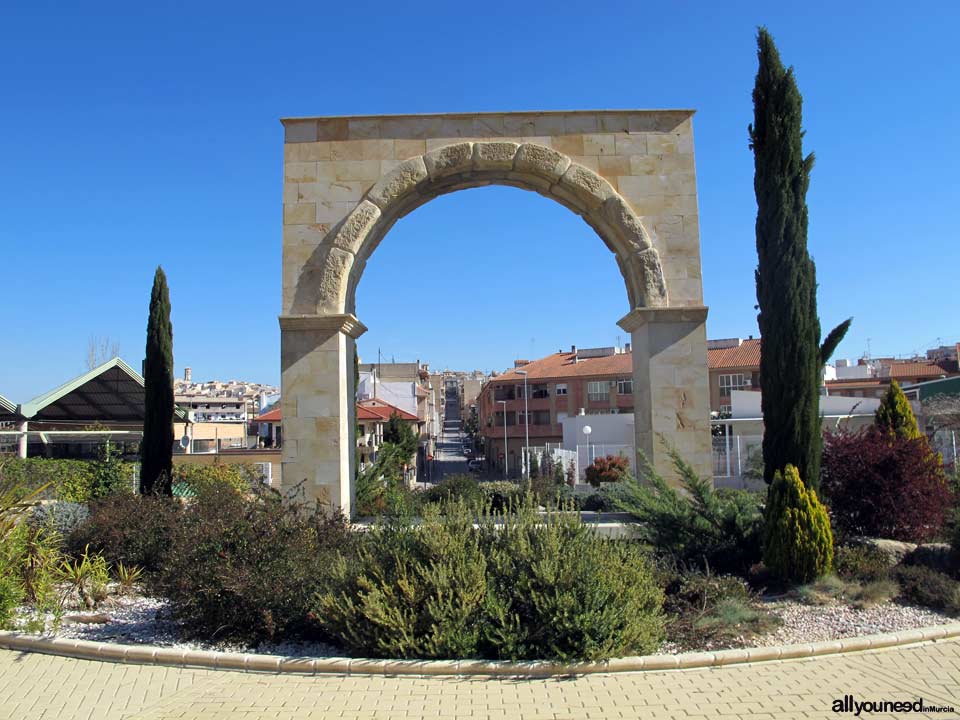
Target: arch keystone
x=494 y=155
x=449 y=160
x=541 y=161
x=398 y=183
x=353 y=231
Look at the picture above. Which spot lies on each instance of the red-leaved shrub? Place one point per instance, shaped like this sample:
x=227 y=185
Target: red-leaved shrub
x=612 y=468
x=882 y=485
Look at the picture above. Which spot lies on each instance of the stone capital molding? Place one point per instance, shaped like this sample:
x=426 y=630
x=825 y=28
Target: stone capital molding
x=346 y=323
x=638 y=317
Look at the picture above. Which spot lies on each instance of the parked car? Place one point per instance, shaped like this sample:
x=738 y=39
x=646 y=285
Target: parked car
x=475 y=465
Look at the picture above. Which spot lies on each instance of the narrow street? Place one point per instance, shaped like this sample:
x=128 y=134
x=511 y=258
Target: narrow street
x=450 y=458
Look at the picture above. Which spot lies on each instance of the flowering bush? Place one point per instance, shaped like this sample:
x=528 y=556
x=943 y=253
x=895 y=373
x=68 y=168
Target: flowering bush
x=612 y=468
x=881 y=484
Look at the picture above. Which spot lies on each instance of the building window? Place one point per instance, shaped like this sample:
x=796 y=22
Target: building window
x=504 y=392
x=732 y=382
x=625 y=386
x=540 y=417
x=726 y=410
x=538 y=392
x=561 y=389
x=597 y=390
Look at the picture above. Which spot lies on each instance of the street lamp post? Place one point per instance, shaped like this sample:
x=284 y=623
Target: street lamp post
x=505 y=455
x=526 y=422
x=586 y=431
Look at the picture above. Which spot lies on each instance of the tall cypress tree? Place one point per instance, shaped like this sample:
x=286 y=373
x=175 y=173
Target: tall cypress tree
x=792 y=357
x=156 y=448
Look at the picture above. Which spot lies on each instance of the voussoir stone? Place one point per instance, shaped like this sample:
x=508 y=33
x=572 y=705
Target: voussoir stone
x=541 y=161
x=581 y=182
x=400 y=181
x=332 y=275
x=494 y=155
x=449 y=160
x=622 y=218
x=355 y=227
x=650 y=274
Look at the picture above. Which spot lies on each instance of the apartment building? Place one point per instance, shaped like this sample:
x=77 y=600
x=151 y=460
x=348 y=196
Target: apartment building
x=734 y=364
x=598 y=381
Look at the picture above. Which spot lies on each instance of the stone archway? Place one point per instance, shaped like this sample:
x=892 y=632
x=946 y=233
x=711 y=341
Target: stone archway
x=348 y=180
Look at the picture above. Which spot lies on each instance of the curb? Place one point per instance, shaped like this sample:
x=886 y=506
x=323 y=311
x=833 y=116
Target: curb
x=251 y=662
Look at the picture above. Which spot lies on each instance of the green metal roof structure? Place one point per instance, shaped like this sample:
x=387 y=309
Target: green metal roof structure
x=8 y=410
x=926 y=390
x=112 y=392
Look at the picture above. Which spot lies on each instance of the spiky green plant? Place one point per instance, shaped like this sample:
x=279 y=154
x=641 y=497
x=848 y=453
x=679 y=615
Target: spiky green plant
x=798 y=543
x=895 y=414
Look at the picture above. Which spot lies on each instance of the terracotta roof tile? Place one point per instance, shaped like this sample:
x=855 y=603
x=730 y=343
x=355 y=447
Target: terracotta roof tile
x=385 y=409
x=365 y=411
x=562 y=365
x=746 y=354
x=914 y=369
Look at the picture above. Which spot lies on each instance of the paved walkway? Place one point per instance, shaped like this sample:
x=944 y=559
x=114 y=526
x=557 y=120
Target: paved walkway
x=34 y=686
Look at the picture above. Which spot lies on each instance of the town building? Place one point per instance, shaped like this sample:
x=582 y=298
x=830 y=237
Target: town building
x=596 y=380
x=373 y=415
x=734 y=364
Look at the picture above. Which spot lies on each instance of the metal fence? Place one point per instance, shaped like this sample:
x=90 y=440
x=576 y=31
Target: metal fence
x=737 y=461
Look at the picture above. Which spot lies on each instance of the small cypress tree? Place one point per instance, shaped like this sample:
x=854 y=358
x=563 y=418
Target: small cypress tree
x=793 y=357
x=156 y=447
x=895 y=414
x=798 y=542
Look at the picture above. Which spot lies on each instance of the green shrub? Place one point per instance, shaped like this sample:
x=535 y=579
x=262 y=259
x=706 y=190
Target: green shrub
x=453 y=488
x=609 y=469
x=30 y=573
x=862 y=563
x=127 y=528
x=501 y=495
x=62 y=516
x=709 y=607
x=190 y=479
x=380 y=487
x=75 y=481
x=519 y=586
x=703 y=527
x=798 y=544
x=929 y=588
x=244 y=567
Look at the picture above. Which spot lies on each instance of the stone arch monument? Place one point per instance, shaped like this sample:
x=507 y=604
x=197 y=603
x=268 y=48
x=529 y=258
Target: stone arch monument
x=629 y=174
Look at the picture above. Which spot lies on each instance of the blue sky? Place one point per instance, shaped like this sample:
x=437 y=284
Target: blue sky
x=136 y=136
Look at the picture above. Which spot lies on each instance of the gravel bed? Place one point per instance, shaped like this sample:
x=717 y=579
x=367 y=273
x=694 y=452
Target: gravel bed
x=137 y=620
x=815 y=623
x=144 y=620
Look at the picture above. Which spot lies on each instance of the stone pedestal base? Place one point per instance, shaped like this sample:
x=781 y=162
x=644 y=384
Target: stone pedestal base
x=319 y=407
x=671 y=386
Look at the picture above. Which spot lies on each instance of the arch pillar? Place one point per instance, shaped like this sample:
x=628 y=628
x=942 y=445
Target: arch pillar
x=671 y=388
x=318 y=403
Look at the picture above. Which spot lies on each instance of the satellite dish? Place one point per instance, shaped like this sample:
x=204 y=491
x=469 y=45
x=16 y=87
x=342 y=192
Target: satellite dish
x=185 y=442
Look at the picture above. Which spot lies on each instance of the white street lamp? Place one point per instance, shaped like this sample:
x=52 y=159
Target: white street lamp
x=586 y=431
x=505 y=455
x=526 y=421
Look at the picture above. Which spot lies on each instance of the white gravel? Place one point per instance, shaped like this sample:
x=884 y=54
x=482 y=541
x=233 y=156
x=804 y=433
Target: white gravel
x=137 y=620
x=144 y=620
x=816 y=623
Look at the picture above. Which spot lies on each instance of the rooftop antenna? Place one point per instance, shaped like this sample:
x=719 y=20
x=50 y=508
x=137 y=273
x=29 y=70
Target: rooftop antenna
x=868 y=349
